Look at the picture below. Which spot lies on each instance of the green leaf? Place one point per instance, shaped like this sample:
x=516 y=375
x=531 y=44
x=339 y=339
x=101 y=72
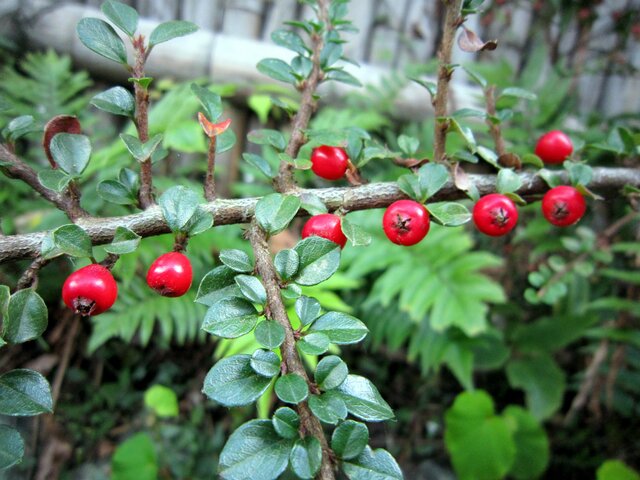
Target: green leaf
x=307 y=309
x=532 y=445
x=267 y=137
x=357 y=235
x=233 y=383
x=314 y=343
x=290 y=40
x=141 y=151
x=616 y=470
x=269 y=334
x=312 y=204
x=100 y=37
x=277 y=69
x=488 y=156
x=48 y=248
x=408 y=145
x=349 y=439
x=123 y=16
x=71 y=152
x=579 y=173
x=342 y=76
x=116 y=100
x=26 y=317
x=329 y=407
x=543 y=382
x=124 y=241
x=5 y=295
x=116 y=192
x=508 y=181
x=286 y=422
x=230 y=318
x=274 y=212
x=200 y=221
x=254 y=451
x=363 y=399
x=305 y=457
x=24 y=393
x=291 y=388
x=72 y=240
x=55 y=180
x=135 y=459
x=19 y=126
x=162 y=400
x=216 y=285
x=144 y=82
x=252 y=289
x=260 y=163
x=518 y=93
x=236 y=260
x=466 y=133
x=178 y=205
x=373 y=465
x=340 y=328
x=169 y=30
x=433 y=176
x=11 y=447
x=319 y=259
x=532 y=159
x=449 y=214
x=210 y=101
x=265 y=363
x=287 y=262
x=431 y=87
x=476 y=77
x=331 y=372
x=480 y=443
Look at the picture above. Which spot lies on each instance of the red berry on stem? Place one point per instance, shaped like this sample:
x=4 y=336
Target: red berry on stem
x=329 y=162
x=170 y=275
x=563 y=206
x=90 y=290
x=405 y=222
x=495 y=214
x=325 y=225
x=554 y=147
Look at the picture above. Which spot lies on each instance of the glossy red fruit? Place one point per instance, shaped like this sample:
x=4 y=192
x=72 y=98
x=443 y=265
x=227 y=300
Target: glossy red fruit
x=563 y=206
x=495 y=214
x=329 y=162
x=406 y=222
x=554 y=147
x=90 y=290
x=325 y=225
x=170 y=275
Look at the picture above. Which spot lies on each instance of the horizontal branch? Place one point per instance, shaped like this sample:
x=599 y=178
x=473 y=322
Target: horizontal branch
x=374 y=195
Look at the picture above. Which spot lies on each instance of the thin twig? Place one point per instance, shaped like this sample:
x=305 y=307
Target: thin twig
x=284 y=182
x=145 y=196
x=30 y=276
x=606 y=181
x=209 y=181
x=494 y=129
x=70 y=341
x=68 y=202
x=290 y=357
x=440 y=102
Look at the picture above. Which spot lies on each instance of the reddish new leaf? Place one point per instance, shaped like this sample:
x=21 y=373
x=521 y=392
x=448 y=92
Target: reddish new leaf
x=468 y=41
x=212 y=129
x=58 y=124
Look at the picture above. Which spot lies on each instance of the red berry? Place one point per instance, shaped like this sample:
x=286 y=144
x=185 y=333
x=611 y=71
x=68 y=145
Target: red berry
x=554 y=147
x=90 y=290
x=495 y=214
x=326 y=225
x=563 y=206
x=329 y=162
x=405 y=222
x=170 y=275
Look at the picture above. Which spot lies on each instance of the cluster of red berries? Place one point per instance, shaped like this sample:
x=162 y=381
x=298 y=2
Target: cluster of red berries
x=406 y=222
x=92 y=290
